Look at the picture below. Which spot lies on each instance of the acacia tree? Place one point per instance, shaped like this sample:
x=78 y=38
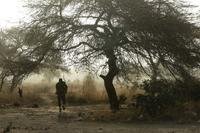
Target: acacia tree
x=128 y=34
x=19 y=58
x=10 y=46
x=14 y=63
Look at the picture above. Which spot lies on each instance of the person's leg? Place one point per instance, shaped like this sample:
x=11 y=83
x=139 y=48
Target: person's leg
x=59 y=103
x=63 y=102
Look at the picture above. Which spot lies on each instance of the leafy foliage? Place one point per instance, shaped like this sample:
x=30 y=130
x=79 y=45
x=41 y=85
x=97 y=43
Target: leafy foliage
x=162 y=94
x=158 y=96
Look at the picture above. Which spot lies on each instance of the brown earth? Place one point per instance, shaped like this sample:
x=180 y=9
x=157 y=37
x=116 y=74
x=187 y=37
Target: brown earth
x=81 y=119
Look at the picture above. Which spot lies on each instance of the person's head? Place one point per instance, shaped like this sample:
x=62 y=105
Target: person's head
x=60 y=79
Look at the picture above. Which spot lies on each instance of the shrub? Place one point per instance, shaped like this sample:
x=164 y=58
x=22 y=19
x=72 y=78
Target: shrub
x=157 y=97
x=162 y=94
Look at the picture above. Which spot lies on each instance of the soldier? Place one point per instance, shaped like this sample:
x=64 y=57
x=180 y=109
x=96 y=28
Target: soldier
x=61 y=90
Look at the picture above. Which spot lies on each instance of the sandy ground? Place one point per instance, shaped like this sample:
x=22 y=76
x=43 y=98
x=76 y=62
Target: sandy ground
x=74 y=120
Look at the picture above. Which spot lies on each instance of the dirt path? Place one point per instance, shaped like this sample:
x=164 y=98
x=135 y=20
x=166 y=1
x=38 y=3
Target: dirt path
x=48 y=120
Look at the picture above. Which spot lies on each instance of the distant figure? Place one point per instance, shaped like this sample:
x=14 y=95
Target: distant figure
x=61 y=90
x=20 y=92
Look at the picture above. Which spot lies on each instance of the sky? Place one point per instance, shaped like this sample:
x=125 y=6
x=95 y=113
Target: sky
x=12 y=12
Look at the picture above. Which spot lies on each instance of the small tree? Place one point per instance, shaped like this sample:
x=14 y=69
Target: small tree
x=19 y=57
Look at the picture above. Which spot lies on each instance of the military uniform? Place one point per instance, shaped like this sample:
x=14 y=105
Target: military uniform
x=61 y=90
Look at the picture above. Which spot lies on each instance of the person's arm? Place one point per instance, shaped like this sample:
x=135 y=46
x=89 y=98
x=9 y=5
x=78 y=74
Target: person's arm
x=65 y=87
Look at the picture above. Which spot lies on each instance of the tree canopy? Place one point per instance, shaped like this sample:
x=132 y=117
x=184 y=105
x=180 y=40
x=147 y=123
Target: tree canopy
x=136 y=32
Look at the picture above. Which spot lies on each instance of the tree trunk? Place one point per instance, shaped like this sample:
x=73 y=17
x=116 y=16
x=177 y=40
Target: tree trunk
x=108 y=82
x=2 y=82
x=112 y=95
x=15 y=81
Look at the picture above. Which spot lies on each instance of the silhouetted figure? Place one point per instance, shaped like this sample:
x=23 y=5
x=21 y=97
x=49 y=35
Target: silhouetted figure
x=61 y=90
x=20 y=92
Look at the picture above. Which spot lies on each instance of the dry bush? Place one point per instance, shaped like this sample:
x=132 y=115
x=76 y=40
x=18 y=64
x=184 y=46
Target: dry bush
x=128 y=91
x=86 y=91
x=33 y=94
x=29 y=99
x=43 y=93
x=7 y=98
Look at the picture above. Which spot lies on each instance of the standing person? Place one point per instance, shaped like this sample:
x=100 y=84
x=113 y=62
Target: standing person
x=61 y=90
